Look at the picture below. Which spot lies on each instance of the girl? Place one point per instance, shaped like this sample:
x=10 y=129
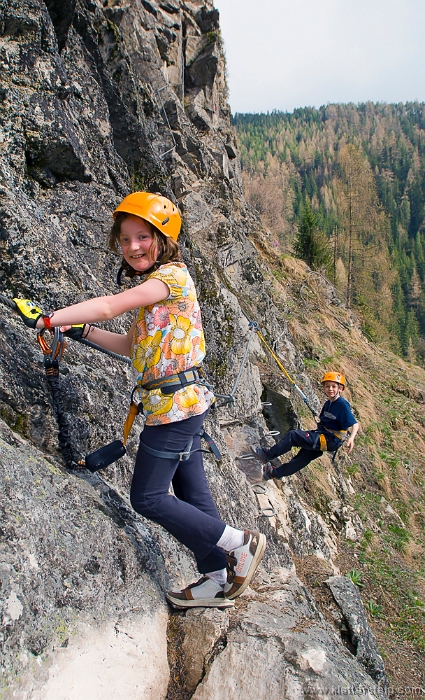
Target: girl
x=166 y=345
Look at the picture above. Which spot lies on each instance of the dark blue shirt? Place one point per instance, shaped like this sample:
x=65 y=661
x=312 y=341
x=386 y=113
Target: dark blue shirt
x=337 y=415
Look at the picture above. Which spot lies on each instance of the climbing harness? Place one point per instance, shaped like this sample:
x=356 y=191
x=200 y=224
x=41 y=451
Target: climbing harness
x=323 y=443
x=174 y=382
x=187 y=452
x=340 y=434
x=162 y=454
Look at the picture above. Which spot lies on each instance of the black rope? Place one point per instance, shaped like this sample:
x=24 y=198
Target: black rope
x=106 y=352
x=64 y=436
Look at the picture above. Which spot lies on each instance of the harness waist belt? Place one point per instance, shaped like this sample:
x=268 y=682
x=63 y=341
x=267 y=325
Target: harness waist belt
x=340 y=434
x=322 y=441
x=171 y=384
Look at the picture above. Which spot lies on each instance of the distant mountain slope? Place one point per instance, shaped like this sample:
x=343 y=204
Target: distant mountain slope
x=287 y=157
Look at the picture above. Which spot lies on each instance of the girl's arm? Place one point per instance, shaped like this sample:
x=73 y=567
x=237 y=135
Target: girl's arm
x=105 y=308
x=117 y=342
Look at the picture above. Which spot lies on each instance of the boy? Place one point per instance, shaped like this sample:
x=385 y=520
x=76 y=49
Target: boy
x=334 y=421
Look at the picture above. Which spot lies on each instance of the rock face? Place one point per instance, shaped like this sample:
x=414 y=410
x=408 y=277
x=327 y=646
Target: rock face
x=98 y=99
x=283 y=648
x=347 y=596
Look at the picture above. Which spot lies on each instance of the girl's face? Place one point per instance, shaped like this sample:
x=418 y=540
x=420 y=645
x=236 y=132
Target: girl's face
x=136 y=241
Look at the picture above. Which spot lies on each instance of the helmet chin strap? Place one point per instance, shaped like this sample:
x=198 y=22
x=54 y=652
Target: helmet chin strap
x=136 y=272
x=119 y=275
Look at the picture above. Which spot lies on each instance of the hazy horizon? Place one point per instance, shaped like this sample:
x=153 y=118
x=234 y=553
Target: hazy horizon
x=288 y=54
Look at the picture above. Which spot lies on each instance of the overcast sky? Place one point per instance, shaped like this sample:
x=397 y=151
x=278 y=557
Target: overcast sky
x=283 y=54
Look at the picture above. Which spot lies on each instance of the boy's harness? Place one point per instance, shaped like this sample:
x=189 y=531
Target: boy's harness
x=323 y=443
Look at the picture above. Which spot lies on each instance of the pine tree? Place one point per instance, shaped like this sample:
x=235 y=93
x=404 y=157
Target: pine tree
x=364 y=238
x=311 y=243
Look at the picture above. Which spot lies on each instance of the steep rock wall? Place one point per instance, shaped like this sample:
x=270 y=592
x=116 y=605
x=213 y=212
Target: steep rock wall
x=98 y=99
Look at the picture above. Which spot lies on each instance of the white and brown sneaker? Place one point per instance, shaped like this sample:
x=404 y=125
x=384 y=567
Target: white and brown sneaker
x=243 y=562
x=205 y=593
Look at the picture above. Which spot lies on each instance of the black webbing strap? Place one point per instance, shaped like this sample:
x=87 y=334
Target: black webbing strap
x=211 y=444
x=171 y=384
x=185 y=454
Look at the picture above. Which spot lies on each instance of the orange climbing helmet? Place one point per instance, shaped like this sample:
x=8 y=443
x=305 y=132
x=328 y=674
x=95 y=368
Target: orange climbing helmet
x=154 y=208
x=334 y=377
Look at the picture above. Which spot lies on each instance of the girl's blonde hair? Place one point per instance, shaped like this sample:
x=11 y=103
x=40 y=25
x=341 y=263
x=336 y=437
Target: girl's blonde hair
x=167 y=249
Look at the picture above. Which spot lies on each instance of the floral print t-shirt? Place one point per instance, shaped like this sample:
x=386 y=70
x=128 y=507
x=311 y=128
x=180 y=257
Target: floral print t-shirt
x=169 y=338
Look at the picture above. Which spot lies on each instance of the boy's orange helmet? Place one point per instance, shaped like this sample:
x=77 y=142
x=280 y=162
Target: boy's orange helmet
x=154 y=208
x=334 y=377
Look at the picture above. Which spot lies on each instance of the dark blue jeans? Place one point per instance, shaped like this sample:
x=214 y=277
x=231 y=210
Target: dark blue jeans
x=308 y=440
x=190 y=515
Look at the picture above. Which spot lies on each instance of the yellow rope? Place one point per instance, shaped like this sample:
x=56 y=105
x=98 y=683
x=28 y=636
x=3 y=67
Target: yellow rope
x=278 y=362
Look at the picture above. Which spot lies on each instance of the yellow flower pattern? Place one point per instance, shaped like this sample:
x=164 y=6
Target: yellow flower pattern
x=169 y=338
x=148 y=352
x=156 y=403
x=181 y=335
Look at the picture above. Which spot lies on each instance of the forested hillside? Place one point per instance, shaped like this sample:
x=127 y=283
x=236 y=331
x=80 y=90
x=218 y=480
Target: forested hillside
x=362 y=169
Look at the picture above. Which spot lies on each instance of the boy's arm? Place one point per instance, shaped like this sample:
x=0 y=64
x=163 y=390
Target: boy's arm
x=349 y=443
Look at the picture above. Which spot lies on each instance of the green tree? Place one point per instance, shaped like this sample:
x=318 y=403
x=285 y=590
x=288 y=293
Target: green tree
x=311 y=243
x=365 y=236
x=369 y=199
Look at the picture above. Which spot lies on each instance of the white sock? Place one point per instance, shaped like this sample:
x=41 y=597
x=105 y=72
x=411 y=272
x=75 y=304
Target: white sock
x=231 y=539
x=219 y=576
